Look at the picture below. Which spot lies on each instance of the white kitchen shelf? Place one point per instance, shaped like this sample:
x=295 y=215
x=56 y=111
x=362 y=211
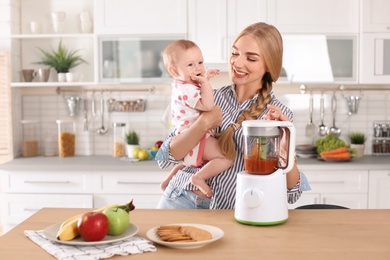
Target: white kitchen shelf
x=47 y=36
x=52 y=84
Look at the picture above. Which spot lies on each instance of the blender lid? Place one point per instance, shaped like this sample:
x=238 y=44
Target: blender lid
x=260 y=128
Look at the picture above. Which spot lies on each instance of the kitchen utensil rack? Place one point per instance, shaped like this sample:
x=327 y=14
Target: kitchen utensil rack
x=381 y=138
x=126 y=105
x=303 y=89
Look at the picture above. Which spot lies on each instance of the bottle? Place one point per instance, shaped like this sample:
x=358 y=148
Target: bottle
x=30 y=140
x=66 y=138
x=118 y=139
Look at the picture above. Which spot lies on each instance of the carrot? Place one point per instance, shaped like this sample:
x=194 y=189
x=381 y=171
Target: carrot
x=337 y=156
x=343 y=149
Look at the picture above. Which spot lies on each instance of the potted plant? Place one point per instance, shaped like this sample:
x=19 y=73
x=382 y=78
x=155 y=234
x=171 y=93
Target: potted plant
x=357 y=142
x=132 y=143
x=62 y=60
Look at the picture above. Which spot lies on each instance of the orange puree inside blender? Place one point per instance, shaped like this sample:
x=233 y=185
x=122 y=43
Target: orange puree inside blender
x=256 y=165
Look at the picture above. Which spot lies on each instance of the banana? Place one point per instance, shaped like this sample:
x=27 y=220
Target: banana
x=68 y=229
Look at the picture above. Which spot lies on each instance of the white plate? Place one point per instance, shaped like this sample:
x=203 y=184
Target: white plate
x=216 y=234
x=51 y=234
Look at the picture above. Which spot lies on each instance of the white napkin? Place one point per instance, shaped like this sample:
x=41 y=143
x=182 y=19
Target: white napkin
x=132 y=245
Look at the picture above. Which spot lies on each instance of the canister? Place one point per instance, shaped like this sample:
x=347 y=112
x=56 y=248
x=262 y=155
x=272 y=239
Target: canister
x=66 y=138
x=30 y=140
x=50 y=144
x=118 y=139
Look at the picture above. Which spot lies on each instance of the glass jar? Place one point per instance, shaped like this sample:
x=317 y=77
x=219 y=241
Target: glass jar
x=118 y=139
x=66 y=138
x=30 y=140
x=49 y=145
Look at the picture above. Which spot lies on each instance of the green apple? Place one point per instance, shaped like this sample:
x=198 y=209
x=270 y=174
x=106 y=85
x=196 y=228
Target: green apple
x=118 y=220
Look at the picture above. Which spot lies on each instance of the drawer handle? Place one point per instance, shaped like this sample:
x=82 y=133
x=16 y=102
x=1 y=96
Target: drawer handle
x=328 y=182
x=47 y=182
x=127 y=182
x=32 y=210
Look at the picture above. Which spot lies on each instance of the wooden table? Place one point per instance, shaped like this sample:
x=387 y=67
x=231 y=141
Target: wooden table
x=308 y=234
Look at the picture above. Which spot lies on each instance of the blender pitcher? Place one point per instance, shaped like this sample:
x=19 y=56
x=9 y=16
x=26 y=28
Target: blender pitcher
x=262 y=146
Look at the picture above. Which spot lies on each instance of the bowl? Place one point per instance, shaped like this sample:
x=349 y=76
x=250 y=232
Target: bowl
x=152 y=153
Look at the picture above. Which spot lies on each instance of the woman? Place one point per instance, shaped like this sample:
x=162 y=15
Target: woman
x=255 y=62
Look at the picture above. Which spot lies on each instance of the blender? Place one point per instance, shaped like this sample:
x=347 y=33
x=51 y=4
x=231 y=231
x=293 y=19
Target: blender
x=261 y=193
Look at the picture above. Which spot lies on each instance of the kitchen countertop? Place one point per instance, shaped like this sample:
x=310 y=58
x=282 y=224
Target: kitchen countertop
x=109 y=163
x=307 y=234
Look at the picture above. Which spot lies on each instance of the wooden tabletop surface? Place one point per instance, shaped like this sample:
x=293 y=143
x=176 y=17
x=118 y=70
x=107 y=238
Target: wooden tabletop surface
x=308 y=234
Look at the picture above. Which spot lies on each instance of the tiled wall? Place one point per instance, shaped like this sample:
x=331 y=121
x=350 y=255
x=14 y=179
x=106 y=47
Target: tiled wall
x=49 y=108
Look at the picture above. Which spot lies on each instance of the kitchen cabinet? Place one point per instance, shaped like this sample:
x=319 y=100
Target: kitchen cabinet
x=308 y=16
x=375 y=16
x=24 y=41
x=213 y=25
x=344 y=188
x=375 y=42
x=133 y=59
x=320 y=58
x=375 y=58
x=113 y=187
x=379 y=192
x=25 y=192
x=140 y=17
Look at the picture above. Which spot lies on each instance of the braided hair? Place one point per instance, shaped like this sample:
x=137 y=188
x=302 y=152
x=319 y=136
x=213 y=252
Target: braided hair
x=270 y=43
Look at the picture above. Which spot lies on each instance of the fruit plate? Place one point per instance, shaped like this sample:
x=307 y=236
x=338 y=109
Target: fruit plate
x=216 y=234
x=51 y=234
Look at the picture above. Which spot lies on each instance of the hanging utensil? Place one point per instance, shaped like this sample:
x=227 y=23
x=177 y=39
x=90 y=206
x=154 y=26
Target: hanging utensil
x=322 y=128
x=85 y=113
x=334 y=130
x=353 y=104
x=310 y=127
x=93 y=106
x=102 y=130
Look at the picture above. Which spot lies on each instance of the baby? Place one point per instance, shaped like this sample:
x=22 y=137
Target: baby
x=192 y=94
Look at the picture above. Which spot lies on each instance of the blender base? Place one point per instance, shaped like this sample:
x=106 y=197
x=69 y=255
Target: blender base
x=261 y=200
x=261 y=223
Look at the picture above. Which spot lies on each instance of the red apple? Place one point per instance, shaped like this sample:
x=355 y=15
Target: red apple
x=158 y=144
x=93 y=226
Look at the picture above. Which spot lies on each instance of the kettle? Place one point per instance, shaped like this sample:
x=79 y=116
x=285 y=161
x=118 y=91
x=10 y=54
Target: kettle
x=261 y=192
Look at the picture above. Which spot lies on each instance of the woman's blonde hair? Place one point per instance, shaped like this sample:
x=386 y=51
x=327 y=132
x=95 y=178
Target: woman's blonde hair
x=270 y=44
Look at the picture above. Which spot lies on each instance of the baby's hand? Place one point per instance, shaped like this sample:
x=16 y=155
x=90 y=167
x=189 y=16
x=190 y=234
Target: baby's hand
x=212 y=73
x=199 y=79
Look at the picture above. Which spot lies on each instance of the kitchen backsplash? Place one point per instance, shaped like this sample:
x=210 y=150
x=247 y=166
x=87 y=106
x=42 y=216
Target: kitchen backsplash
x=151 y=126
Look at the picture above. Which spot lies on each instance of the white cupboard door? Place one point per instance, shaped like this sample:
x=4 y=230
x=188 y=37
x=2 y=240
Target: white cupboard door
x=375 y=58
x=379 y=192
x=338 y=182
x=18 y=207
x=214 y=25
x=351 y=201
x=375 y=16
x=242 y=13
x=141 y=17
x=207 y=27
x=49 y=182
x=314 y=16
